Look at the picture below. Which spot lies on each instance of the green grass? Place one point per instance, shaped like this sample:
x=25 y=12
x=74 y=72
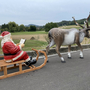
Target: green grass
x=29 y=44
x=43 y=32
x=29 y=33
x=35 y=43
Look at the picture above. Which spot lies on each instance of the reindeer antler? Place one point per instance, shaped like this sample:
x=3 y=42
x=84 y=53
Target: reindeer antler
x=88 y=16
x=87 y=20
x=85 y=24
x=77 y=23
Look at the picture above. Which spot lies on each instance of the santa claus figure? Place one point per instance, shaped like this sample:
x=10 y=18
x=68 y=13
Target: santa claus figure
x=13 y=51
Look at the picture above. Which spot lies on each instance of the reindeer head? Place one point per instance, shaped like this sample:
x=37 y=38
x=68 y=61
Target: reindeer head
x=86 y=31
x=84 y=28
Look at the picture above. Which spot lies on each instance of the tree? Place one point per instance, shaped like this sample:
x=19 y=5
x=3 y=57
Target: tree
x=32 y=28
x=13 y=27
x=49 y=26
x=4 y=26
x=26 y=28
x=21 y=27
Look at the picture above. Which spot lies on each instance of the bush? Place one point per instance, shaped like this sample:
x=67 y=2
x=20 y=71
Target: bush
x=32 y=28
x=49 y=26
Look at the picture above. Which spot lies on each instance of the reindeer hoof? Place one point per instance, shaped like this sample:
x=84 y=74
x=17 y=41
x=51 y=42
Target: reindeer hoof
x=69 y=57
x=81 y=57
x=63 y=61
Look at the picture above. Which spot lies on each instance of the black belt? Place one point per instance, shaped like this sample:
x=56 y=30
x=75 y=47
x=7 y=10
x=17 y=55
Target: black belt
x=7 y=54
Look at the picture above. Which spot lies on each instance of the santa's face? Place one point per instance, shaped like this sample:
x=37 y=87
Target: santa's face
x=10 y=37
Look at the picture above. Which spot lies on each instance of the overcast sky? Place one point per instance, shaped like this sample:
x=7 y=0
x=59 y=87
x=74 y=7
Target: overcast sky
x=40 y=12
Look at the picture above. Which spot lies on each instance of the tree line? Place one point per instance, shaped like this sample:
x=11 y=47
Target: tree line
x=62 y=23
x=13 y=27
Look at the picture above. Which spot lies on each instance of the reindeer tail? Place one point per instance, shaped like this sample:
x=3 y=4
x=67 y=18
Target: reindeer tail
x=49 y=36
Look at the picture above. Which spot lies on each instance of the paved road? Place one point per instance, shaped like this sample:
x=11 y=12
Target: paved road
x=72 y=75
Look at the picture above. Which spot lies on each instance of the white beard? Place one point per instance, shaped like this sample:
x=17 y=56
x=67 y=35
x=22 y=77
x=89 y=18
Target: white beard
x=6 y=40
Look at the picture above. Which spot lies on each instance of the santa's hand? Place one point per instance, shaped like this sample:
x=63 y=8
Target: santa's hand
x=17 y=44
x=22 y=45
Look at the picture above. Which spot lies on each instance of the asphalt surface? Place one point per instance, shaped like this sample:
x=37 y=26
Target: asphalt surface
x=72 y=75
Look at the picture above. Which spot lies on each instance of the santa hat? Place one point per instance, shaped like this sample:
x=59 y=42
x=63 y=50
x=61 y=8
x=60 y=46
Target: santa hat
x=5 y=34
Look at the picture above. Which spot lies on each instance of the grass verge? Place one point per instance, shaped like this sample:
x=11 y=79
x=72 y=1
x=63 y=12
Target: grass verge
x=29 y=44
x=29 y=33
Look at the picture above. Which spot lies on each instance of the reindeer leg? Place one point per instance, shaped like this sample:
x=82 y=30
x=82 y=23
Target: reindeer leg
x=78 y=43
x=81 y=50
x=69 y=54
x=48 y=47
x=57 y=50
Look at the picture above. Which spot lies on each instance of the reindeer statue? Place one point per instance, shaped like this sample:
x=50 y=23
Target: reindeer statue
x=68 y=37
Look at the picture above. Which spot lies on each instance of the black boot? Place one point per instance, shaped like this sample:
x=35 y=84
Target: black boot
x=30 y=57
x=33 y=61
x=30 y=62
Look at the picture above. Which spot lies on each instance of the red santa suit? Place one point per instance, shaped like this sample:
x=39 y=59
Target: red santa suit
x=10 y=50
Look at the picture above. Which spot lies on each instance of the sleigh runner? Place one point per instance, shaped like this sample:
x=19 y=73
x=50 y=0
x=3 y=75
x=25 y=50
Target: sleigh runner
x=4 y=67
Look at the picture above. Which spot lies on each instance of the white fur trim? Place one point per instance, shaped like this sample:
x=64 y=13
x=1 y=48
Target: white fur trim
x=27 y=59
x=8 y=61
x=8 y=35
x=18 y=56
x=6 y=39
x=1 y=36
x=20 y=46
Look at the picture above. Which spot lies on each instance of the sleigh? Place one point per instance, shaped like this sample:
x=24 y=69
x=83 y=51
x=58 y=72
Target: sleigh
x=4 y=67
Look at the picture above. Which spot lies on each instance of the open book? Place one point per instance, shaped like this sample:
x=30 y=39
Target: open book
x=22 y=41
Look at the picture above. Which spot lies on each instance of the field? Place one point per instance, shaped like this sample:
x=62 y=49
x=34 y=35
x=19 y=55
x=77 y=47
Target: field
x=38 y=39
x=41 y=38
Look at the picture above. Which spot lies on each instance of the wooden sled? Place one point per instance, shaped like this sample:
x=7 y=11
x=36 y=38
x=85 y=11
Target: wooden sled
x=4 y=66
